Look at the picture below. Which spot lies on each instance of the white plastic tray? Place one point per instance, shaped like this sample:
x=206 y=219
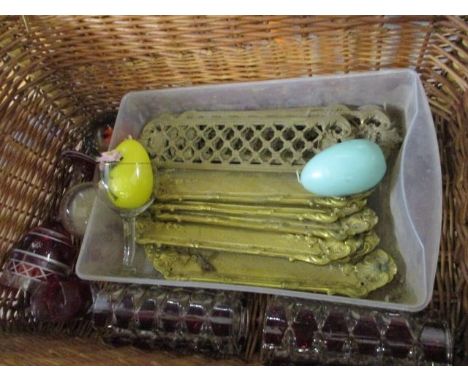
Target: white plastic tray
x=415 y=183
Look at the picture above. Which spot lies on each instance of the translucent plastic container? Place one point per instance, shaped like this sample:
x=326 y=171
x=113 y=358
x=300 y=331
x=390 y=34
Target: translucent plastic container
x=413 y=191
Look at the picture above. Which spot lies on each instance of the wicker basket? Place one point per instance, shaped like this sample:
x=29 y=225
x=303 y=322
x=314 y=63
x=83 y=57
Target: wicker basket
x=59 y=75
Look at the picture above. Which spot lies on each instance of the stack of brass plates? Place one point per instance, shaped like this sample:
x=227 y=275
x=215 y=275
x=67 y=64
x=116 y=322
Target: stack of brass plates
x=229 y=208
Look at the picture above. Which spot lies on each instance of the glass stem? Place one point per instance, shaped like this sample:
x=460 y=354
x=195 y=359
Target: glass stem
x=129 y=240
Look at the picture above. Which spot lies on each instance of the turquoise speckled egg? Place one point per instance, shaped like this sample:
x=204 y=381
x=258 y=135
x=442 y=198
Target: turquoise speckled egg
x=344 y=169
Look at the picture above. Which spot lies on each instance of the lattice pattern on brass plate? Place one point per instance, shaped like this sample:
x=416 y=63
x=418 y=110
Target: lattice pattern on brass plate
x=287 y=137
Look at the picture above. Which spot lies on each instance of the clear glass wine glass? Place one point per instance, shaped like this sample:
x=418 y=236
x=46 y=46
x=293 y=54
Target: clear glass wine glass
x=127 y=188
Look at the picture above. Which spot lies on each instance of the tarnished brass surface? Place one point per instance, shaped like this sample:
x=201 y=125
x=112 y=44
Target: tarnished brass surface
x=299 y=247
x=349 y=226
x=355 y=280
x=249 y=187
x=229 y=208
x=302 y=214
x=280 y=137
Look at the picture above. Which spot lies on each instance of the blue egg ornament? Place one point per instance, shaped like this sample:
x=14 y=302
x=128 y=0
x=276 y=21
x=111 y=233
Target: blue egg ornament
x=344 y=169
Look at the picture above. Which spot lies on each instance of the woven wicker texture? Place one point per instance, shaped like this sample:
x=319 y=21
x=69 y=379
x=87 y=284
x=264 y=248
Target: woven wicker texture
x=59 y=74
x=66 y=351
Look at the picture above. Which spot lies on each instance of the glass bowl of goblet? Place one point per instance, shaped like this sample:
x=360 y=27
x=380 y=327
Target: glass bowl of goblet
x=127 y=188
